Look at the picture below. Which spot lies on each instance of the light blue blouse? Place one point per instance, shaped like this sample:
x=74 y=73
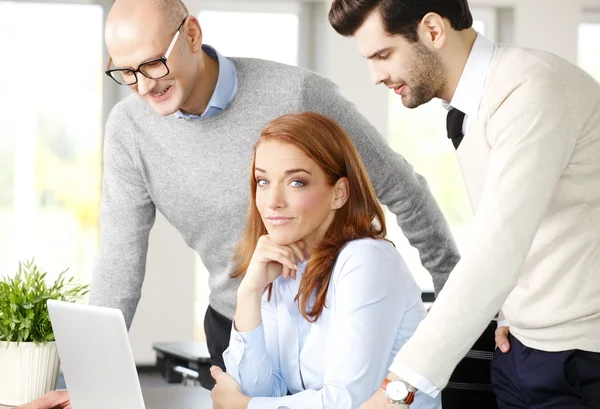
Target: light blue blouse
x=373 y=306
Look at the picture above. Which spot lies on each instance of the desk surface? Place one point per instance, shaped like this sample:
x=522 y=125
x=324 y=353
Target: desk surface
x=174 y=397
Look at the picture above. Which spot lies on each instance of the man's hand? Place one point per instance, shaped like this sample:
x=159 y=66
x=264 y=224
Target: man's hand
x=502 y=339
x=53 y=399
x=227 y=393
x=379 y=401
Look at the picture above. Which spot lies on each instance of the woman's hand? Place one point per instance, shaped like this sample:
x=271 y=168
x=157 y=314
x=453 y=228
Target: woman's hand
x=227 y=393
x=270 y=261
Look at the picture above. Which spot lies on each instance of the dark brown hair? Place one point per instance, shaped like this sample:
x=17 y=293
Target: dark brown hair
x=325 y=142
x=399 y=16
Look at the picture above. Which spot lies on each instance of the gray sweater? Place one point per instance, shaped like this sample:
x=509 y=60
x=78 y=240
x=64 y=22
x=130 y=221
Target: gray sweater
x=196 y=173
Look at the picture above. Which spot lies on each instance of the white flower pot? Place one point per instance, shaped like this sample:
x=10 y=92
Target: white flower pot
x=27 y=371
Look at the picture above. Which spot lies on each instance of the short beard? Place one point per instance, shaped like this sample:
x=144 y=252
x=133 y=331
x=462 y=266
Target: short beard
x=427 y=76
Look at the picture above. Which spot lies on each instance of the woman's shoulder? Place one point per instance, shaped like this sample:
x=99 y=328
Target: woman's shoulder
x=370 y=253
x=369 y=249
x=373 y=263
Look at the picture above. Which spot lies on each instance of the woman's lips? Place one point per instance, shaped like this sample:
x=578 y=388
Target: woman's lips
x=278 y=221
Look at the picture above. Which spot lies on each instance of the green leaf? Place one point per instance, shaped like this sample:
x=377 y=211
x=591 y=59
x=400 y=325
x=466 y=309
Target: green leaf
x=23 y=312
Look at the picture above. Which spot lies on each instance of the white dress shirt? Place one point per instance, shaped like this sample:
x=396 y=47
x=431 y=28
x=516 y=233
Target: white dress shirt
x=373 y=306
x=467 y=99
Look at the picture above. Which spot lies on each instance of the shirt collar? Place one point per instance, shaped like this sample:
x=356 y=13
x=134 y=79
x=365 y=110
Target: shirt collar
x=225 y=88
x=469 y=91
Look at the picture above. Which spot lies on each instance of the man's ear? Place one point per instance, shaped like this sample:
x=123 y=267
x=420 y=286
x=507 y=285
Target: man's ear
x=341 y=191
x=193 y=34
x=433 y=31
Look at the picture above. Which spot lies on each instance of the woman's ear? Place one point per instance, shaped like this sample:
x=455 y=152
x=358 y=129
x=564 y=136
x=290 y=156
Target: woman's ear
x=341 y=191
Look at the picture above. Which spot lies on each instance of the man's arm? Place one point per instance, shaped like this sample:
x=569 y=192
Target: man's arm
x=532 y=137
x=126 y=216
x=396 y=184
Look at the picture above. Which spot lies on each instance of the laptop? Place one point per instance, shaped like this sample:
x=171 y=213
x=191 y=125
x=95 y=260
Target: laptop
x=98 y=365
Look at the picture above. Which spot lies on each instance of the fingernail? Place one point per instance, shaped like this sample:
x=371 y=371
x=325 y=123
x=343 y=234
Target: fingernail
x=504 y=347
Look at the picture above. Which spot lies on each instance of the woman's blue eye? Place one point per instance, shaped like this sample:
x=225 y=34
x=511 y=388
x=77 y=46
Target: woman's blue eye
x=262 y=182
x=297 y=183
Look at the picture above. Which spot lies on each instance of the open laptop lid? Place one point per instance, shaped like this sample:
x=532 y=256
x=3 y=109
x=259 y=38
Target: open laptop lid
x=95 y=356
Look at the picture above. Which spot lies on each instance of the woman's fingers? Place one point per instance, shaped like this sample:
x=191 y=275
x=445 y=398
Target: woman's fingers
x=287 y=255
x=282 y=256
x=298 y=253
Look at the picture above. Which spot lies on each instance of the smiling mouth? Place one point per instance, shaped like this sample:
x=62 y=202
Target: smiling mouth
x=163 y=92
x=399 y=89
x=278 y=221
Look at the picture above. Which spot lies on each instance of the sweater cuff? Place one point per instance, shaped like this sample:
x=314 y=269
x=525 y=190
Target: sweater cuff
x=414 y=379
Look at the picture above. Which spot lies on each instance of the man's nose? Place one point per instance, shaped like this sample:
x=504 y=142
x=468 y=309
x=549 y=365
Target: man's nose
x=377 y=76
x=144 y=84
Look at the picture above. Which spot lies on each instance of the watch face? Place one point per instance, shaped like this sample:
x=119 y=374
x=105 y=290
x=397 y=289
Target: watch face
x=396 y=391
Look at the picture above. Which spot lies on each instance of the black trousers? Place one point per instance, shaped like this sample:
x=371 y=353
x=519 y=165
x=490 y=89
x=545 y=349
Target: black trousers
x=218 y=330
x=527 y=378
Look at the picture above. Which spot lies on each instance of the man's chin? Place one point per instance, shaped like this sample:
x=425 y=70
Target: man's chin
x=163 y=108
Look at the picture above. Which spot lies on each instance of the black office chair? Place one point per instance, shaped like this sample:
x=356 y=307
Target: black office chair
x=470 y=383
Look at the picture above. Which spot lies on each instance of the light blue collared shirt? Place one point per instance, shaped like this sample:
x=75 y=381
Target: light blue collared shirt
x=373 y=306
x=227 y=84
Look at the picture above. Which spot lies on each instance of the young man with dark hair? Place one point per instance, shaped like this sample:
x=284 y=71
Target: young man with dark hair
x=526 y=128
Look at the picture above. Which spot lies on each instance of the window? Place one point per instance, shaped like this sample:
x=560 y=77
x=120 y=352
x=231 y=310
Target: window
x=588 y=44
x=265 y=31
x=420 y=136
x=243 y=34
x=50 y=135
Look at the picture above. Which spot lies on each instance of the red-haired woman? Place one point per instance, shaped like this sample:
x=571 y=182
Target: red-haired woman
x=325 y=301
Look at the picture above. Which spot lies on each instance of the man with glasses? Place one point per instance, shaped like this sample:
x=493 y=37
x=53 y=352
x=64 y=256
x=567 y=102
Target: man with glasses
x=183 y=144
x=152 y=69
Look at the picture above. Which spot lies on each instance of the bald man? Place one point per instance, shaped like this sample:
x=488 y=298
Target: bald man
x=183 y=144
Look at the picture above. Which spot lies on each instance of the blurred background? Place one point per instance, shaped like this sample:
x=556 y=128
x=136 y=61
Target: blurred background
x=54 y=101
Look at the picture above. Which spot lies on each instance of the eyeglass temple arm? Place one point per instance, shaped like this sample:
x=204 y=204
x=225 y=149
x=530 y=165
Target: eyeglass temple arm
x=108 y=64
x=172 y=45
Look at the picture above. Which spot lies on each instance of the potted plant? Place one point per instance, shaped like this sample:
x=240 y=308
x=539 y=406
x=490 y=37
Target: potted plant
x=28 y=357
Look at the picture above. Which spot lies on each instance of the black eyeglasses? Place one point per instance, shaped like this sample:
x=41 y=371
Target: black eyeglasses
x=153 y=69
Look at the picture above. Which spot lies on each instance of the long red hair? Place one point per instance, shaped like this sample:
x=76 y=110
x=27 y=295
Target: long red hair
x=325 y=142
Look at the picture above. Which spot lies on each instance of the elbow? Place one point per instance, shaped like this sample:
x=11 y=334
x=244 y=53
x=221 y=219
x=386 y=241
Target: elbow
x=262 y=386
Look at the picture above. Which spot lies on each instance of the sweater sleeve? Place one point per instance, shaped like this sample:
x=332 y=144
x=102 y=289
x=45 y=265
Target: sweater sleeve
x=127 y=214
x=532 y=137
x=396 y=183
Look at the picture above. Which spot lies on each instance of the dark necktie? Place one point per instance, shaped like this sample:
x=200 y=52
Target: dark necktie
x=454 y=125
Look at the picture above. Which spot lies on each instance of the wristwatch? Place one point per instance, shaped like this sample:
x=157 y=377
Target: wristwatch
x=397 y=391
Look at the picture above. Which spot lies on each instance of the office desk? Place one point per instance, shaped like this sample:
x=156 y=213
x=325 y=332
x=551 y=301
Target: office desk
x=177 y=397
x=174 y=397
